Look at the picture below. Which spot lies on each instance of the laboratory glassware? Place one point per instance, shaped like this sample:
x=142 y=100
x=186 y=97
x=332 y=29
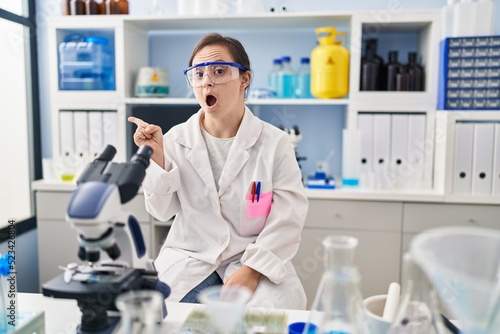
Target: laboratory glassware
x=415 y=72
x=225 y=305
x=141 y=311
x=371 y=67
x=273 y=75
x=303 y=79
x=286 y=78
x=337 y=307
x=463 y=263
x=418 y=309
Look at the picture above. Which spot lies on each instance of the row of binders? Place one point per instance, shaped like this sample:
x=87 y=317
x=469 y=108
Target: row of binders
x=392 y=151
x=476 y=169
x=84 y=134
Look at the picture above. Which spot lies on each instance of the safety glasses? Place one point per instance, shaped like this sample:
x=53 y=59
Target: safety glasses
x=219 y=72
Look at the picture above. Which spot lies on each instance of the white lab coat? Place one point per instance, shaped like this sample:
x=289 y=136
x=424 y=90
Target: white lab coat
x=223 y=230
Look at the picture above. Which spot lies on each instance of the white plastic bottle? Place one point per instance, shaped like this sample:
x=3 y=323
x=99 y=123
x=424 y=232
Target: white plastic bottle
x=447 y=19
x=303 y=80
x=286 y=78
x=464 y=18
x=273 y=76
x=485 y=14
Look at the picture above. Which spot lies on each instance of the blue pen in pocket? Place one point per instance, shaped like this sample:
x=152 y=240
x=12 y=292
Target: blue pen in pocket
x=257 y=191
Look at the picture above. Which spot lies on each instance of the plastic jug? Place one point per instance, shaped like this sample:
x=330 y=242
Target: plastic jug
x=329 y=65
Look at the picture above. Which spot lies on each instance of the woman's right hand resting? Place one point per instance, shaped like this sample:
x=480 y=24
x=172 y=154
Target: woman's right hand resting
x=151 y=135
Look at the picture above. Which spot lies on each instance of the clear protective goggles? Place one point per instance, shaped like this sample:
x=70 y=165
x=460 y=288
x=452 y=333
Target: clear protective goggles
x=219 y=72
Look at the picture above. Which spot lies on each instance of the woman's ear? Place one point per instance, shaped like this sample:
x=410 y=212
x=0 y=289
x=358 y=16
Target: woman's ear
x=245 y=79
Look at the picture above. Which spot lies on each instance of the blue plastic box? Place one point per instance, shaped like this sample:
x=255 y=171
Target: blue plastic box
x=469 y=73
x=86 y=64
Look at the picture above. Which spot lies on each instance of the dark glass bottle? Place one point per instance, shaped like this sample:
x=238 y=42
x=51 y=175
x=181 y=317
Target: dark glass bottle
x=371 y=66
x=122 y=6
x=111 y=7
x=415 y=72
x=77 y=7
x=101 y=7
x=66 y=7
x=402 y=79
x=90 y=7
x=393 y=67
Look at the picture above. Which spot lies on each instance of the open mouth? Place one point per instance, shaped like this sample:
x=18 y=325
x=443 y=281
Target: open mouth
x=211 y=100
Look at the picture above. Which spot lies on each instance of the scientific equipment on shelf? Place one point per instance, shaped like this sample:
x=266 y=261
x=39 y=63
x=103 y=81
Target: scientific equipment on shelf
x=95 y=7
x=337 y=307
x=469 y=73
x=152 y=82
x=463 y=263
x=329 y=65
x=295 y=137
x=351 y=147
x=321 y=179
x=303 y=80
x=96 y=211
x=415 y=73
x=372 y=68
x=393 y=68
x=286 y=78
x=86 y=63
x=273 y=76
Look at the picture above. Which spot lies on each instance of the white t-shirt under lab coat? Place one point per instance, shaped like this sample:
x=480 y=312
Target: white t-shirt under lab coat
x=223 y=229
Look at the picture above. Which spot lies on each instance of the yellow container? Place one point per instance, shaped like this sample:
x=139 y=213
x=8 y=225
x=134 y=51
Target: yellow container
x=329 y=65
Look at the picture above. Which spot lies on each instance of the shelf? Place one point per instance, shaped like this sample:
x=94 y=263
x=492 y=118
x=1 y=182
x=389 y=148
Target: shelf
x=240 y=22
x=192 y=101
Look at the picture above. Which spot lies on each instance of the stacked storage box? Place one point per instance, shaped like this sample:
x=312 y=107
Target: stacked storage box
x=470 y=73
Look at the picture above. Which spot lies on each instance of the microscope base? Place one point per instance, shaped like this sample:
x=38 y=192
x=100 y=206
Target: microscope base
x=95 y=298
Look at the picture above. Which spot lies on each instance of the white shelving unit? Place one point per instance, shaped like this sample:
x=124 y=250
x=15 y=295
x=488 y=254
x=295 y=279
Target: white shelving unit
x=385 y=221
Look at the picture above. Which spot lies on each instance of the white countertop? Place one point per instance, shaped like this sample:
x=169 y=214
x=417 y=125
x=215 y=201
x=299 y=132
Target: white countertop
x=63 y=315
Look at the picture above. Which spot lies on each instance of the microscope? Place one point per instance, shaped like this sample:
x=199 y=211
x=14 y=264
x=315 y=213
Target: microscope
x=95 y=211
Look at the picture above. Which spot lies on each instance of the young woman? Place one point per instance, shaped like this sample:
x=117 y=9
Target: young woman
x=233 y=184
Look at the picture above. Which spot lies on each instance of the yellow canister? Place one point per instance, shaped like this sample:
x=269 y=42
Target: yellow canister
x=329 y=65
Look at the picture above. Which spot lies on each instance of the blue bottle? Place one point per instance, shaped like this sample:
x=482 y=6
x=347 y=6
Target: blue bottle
x=273 y=76
x=303 y=80
x=286 y=77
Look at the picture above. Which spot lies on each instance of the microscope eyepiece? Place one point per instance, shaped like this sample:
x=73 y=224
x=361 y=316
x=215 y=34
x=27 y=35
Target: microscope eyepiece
x=143 y=155
x=108 y=154
x=93 y=256
x=113 y=251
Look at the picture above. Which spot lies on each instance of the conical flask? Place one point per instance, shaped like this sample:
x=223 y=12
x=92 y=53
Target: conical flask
x=337 y=308
x=418 y=309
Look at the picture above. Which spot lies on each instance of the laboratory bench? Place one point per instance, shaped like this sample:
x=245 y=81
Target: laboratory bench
x=383 y=221
x=63 y=315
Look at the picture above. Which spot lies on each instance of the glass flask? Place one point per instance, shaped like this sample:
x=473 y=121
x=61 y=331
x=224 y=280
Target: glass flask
x=419 y=304
x=337 y=307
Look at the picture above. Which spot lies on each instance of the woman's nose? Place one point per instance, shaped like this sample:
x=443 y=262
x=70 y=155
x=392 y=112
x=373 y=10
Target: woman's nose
x=207 y=80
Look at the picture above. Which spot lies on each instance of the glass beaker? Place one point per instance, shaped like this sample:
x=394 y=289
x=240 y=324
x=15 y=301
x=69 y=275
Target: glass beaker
x=337 y=307
x=141 y=311
x=226 y=305
x=418 y=309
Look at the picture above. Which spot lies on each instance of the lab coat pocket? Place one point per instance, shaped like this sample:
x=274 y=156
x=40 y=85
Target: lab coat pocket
x=253 y=215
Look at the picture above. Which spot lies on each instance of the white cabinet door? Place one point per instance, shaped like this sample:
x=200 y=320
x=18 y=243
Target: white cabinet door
x=377 y=256
x=377 y=225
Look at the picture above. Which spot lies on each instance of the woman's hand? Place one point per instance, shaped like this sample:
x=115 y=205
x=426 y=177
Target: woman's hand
x=151 y=135
x=245 y=276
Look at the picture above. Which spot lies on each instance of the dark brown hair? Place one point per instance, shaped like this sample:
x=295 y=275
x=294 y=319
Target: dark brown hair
x=234 y=46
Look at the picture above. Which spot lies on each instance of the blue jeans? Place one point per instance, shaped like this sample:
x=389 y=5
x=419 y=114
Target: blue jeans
x=192 y=296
